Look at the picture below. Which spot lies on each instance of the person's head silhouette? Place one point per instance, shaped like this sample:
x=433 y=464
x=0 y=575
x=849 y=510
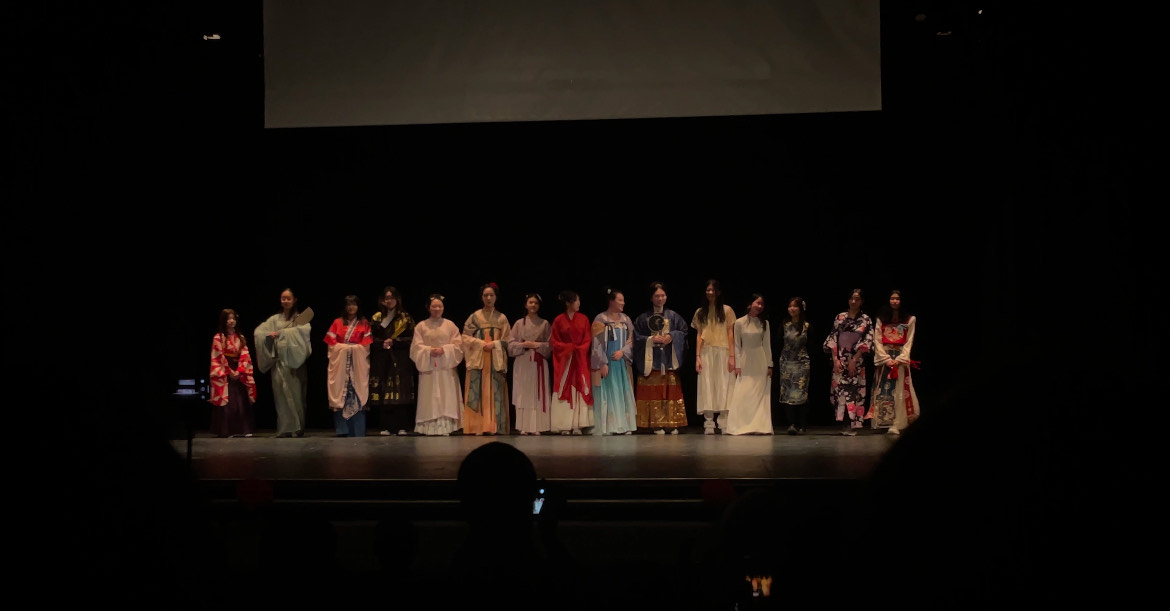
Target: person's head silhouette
x=496 y=484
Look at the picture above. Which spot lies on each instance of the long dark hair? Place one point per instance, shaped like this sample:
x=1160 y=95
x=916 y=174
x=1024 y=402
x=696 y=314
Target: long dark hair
x=393 y=293
x=223 y=316
x=886 y=313
x=352 y=300
x=719 y=317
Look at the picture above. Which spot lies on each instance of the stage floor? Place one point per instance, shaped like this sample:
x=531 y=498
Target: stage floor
x=823 y=453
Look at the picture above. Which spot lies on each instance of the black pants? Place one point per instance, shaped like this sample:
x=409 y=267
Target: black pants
x=797 y=415
x=396 y=418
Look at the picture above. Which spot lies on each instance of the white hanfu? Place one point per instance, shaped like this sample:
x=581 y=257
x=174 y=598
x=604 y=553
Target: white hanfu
x=440 y=396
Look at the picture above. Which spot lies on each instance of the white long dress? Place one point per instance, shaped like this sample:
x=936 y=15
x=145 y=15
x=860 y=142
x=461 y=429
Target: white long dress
x=440 y=396
x=749 y=408
x=531 y=375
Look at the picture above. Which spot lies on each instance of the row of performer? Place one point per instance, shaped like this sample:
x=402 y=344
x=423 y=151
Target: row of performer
x=607 y=376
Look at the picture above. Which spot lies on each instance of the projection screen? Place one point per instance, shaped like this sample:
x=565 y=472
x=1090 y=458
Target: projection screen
x=330 y=63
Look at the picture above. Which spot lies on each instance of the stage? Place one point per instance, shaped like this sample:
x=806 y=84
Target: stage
x=635 y=495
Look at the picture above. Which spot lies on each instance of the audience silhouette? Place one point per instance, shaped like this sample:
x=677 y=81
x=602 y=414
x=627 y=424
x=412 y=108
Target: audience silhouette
x=508 y=553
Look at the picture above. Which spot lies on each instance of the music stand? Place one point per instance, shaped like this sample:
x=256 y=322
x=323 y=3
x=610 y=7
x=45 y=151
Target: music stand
x=190 y=392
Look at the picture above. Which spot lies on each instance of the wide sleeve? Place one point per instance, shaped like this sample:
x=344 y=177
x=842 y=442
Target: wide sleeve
x=404 y=320
x=558 y=337
x=515 y=338
x=293 y=347
x=830 y=345
x=904 y=356
x=265 y=346
x=335 y=329
x=453 y=351
x=542 y=341
x=880 y=356
x=678 y=334
x=470 y=341
x=597 y=355
x=245 y=370
x=641 y=332
x=367 y=335
x=505 y=334
x=628 y=346
x=866 y=333
x=219 y=364
x=420 y=353
x=500 y=347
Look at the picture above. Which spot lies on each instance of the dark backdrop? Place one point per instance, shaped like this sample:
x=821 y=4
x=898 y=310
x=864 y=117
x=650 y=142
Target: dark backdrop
x=802 y=204
x=999 y=132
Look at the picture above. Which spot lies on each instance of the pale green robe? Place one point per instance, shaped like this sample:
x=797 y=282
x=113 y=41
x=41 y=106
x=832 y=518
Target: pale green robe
x=284 y=358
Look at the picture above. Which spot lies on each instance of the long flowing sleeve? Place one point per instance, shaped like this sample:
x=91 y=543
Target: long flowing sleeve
x=628 y=346
x=597 y=355
x=218 y=376
x=516 y=338
x=420 y=351
x=291 y=346
x=830 y=345
x=500 y=348
x=265 y=353
x=867 y=333
x=678 y=334
x=641 y=333
x=544 y=345
x=244 y=368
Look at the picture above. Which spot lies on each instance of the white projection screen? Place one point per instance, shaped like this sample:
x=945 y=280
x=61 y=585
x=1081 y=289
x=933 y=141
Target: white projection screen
x=335 y=63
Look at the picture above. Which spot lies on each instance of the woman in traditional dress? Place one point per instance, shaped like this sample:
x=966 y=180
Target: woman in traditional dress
x=660 y=337
x=895 y=404
x=615 y=411
x=282 y=349
x=571 y=339
x=233 y=389
x=349 y=339
x=485 y=353
x=848 y=341
x=437 y=350
x=529 y=345
x=714 y=325
x=749 y=408
x=391 y=370
x=795 y=366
